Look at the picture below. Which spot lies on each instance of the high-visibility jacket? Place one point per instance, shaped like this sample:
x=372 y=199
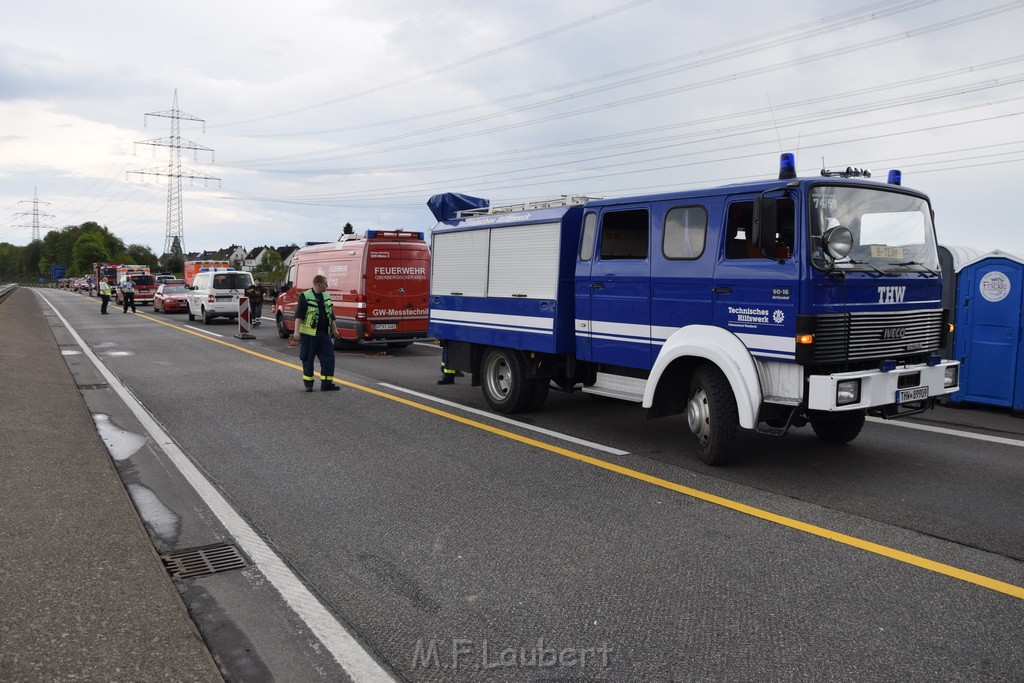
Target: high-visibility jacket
x=312 y=317
x=127 y=285
x=104 y=288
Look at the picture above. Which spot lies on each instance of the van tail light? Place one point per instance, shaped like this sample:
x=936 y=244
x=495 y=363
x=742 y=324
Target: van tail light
x=360 y=307
x=210 y=298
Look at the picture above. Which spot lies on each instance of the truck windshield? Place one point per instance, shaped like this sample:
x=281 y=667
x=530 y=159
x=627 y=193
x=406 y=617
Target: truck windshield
x=892 y=232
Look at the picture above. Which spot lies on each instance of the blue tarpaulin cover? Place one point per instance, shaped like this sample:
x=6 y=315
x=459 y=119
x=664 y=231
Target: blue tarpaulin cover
x=444 y=206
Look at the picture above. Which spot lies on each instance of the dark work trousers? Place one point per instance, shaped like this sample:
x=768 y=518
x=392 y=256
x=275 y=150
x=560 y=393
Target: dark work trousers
x=129 y=301
x=319 y=347
x=105 y=298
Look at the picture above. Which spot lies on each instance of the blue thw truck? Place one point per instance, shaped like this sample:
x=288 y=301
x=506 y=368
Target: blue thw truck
x=765 y=305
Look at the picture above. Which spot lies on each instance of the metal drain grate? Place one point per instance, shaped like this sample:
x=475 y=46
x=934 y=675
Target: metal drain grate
x=210 y=559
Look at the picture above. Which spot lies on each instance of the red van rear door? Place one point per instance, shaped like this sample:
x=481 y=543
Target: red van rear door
x=397 y=288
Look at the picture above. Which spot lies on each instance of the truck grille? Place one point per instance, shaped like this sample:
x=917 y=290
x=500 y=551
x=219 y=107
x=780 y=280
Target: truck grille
x=867 y=336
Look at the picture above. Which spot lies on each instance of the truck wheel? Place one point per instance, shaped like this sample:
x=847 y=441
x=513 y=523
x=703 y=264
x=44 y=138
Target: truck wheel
x=505 y=386
x=206 y=316
x=839 y=428
x=711 y=414
x=282 y=331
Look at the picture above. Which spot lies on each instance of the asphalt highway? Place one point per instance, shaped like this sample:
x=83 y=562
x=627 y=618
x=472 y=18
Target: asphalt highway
x=396 y=529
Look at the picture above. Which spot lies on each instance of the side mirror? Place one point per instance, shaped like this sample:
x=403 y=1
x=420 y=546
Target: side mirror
x=766 y=223
x=285 y=287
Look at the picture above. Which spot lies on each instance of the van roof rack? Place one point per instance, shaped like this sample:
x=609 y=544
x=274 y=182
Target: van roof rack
x=536 y=205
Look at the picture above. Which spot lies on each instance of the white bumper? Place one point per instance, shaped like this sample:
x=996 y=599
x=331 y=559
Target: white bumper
x=879 y=388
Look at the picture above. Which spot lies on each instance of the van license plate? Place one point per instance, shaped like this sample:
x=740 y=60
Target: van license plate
x=910 y=395
x=385 y=326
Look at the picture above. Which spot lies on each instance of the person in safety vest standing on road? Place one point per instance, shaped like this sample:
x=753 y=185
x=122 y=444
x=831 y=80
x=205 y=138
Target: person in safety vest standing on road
x=104 y=295
x=315 y=329
x=128 y=292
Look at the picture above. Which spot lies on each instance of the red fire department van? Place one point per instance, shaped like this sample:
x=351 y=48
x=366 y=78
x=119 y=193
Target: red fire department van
x=379 y=285
x=143 y=281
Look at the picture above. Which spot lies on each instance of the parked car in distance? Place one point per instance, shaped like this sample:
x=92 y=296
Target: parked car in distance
x=171 y=297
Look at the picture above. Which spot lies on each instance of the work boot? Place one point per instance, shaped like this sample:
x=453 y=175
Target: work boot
x=309 y=386
x=329 y=386
x=447 y=379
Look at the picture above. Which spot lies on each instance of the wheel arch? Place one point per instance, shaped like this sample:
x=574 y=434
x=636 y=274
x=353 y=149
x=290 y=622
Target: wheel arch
x=689 y=346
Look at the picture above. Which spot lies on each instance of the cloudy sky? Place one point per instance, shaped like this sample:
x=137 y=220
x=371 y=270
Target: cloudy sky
x=322 y=112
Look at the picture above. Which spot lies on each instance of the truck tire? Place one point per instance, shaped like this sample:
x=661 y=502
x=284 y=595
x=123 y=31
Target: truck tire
x=282 y=331
x=206 y=316
x=839 y=428
x=191 y=316
x=711 y=415
x=504 y=384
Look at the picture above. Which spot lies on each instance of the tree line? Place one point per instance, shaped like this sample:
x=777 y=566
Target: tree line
x=76 y=247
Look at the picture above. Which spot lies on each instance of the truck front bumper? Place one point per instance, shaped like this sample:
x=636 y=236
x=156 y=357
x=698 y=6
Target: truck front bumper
x=906 y=385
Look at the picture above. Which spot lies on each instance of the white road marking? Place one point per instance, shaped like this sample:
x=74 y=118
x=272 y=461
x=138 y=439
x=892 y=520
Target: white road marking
x=500 y=418
x=950 y=432
x=356 y=661
x=199 y=329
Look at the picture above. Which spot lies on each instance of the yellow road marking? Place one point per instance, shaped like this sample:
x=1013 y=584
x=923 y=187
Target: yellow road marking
x=814 y=530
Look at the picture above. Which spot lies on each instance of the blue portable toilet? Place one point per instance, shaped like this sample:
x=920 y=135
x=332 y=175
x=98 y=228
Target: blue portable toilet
x=989 y=342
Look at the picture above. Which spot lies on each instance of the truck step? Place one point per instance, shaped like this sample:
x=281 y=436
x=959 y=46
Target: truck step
x=617 y=386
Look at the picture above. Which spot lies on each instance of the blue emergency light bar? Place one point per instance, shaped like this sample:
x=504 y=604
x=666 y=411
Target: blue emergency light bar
x=895 y=177
x=207 y=269
x=787 y=166
x=371 y=234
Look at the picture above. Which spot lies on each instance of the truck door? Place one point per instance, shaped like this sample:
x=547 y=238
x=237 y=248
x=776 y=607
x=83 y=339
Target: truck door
x=754 y=293
x=619 y=287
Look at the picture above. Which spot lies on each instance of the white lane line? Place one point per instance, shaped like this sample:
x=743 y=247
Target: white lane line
x=199 y=329
x=427 y=344
x=356 y=661
x=950 y=432
x=500 y=418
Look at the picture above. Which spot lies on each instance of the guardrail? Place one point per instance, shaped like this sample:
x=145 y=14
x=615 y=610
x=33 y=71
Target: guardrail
x=5 y=291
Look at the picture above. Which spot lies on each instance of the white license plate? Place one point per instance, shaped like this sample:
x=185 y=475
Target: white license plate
x=912 y=394
x=385 y=326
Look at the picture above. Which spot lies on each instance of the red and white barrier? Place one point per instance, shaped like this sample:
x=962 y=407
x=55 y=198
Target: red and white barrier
x=244 y=320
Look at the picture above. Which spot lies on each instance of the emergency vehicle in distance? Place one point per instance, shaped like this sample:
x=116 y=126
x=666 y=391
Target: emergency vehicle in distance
x=379 y=284
x=143 y=281
x=104 y=271
x=193 y=267
x=764 y=305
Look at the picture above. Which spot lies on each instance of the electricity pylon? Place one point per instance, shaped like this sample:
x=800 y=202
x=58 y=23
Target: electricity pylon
x=174 y=171
x=35 y=213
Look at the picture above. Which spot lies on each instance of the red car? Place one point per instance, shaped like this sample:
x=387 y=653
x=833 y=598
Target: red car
x=171 y=297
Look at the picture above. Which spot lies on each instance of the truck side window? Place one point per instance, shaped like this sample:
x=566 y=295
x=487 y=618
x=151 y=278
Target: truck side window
x=686 y=231
x=625 y=234
x=739 y=220
x=587 y=240
x=738 y=235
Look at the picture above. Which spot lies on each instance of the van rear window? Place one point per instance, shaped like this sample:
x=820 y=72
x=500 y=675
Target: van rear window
x=144 y=280
x=231 y=280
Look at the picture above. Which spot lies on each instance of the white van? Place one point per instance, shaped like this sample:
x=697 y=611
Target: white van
x=215 y=293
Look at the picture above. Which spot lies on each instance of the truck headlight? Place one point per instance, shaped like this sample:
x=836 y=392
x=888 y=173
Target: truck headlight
x=951 y=378
x=847 y=392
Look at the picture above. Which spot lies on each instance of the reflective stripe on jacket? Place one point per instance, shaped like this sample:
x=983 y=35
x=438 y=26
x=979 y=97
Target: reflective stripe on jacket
x=309 y=322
